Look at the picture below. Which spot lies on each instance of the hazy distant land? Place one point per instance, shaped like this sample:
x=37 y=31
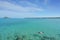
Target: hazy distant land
x=44 y=18
x=36 y=17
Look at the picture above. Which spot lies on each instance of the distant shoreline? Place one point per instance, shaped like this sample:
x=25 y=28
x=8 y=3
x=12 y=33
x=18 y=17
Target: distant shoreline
x=44 y=18
x=36 y=18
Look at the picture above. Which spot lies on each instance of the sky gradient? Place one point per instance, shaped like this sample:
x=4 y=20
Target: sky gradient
x=29 y=8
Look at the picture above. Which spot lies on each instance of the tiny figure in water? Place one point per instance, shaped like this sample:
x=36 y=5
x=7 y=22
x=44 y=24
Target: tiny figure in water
x=40 y=32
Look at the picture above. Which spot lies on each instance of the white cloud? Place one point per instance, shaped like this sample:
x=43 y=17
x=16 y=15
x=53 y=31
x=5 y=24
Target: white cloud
x=19 y=8
x=16 y=14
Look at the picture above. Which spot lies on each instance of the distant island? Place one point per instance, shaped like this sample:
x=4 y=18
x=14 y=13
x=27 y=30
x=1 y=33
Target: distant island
x=5 y=17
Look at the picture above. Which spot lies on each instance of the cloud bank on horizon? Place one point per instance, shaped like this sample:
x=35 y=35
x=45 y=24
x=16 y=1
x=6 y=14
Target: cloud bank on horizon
x=29 y=8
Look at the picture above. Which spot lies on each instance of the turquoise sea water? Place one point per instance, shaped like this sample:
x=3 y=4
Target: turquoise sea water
x=9 y=28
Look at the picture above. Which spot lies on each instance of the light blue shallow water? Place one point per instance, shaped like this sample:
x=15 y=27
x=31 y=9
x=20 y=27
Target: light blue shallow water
x=29 y=27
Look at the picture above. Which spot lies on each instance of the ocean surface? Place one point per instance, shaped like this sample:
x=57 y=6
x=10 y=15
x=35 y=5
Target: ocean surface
x=29 y=29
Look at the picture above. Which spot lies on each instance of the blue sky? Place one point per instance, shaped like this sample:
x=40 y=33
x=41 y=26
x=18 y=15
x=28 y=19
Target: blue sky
x=29 y=8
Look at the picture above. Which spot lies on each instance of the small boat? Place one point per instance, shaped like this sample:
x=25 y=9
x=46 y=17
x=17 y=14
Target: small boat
x=41 y=32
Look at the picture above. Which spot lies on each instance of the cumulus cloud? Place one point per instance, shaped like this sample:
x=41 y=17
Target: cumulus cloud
x=10 y=6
